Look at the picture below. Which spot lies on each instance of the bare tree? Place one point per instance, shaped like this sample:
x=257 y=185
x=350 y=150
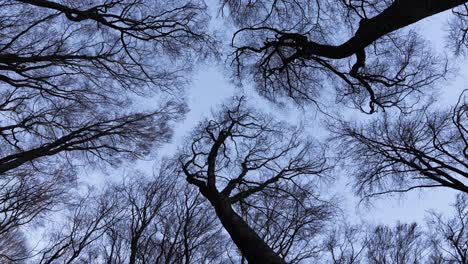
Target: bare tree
x=241 y=154
x=443 y=240
x=69 y=74
x=142 y=202
x=71 y=240
x=292 y=223
x=13 y=247
x=402 y=244
x=291 y=49
x=23 y=197
x=345 y=244
x=71 y=71
x=142 y=220
x=163 y=222
x=448 y=235
x=422 y=150
x=458 y=29
x=363 y=243
x=81 y=44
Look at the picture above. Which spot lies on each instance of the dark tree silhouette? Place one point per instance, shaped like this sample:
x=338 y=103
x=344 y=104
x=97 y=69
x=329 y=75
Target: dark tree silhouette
x=23 y=198
x=395 y=154
x=459 y=30
x=87 y=84
x=86 y=222
x=69 y=74
x=242 y=153
x=67 y=81
x=442 y=240
x=292 y=223
x=402 y=244
x=13 y=247
x=292 y=48
x=449 y=235
x=163 y=221
x=142 y=220
x=345 y=244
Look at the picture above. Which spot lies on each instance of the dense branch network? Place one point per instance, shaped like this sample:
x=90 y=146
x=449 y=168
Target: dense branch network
x=70 y=72
x=290 y=48
x=425 y=149
x=242 y=155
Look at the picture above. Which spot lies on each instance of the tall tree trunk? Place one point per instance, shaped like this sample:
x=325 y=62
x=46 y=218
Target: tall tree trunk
x=252 y=247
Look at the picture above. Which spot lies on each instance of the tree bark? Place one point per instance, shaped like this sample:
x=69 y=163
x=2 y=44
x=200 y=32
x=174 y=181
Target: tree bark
x=252 y=247
x=398 y=15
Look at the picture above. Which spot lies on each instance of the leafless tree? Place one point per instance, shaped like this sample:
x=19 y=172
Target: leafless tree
x=402 y=243
x=291 y=48
x=449 y=235
x=142 y=220
x=71 y=240
x=142 y=202
x=24 y=196
x=74 y=48
x=13 y=247
x=67 y=69
x=69 y=74
x=395 y=154
x=163 y=222
x=345 y=244
x=458 y=29
x=292 y=223
x=241 y=154
x=443 y=240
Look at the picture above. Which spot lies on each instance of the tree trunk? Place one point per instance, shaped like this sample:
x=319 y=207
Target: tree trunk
x=400 y=14
x=252 y=247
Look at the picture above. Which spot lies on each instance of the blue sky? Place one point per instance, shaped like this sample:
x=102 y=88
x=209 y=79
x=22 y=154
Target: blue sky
x=211 y=87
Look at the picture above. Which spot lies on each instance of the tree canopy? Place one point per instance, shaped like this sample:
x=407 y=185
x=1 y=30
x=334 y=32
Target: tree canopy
x=90 y=89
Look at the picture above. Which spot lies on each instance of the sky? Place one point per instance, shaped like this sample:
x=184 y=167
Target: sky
x=211 y=87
